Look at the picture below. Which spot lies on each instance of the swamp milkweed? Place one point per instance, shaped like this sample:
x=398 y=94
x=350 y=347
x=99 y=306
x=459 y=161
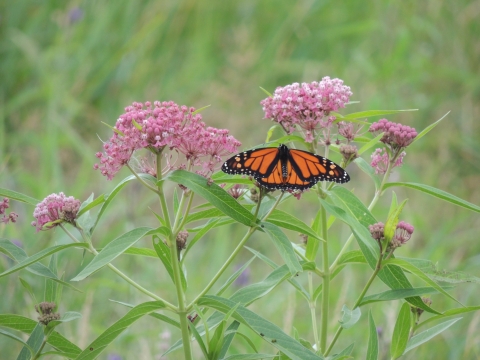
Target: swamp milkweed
x=285 y=169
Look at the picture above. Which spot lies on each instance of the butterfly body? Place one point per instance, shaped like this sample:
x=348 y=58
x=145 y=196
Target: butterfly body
x=285 y=169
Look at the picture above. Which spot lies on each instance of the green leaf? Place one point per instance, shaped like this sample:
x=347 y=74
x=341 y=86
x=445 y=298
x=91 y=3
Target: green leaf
x=448 y=313
x=352 y=257
x=392 y=221
x=391 y=275
x=113 y=249
x=96 y=347
x=206 y=228
x=256 y=356
x=233 y=277
x=199 y=340
x=429 y=128
x=372 y=348
x=204 y=214
x=287 y=221
x=347 y=200
x=213 y=194
x=270 y=331
x=115 y=192
x=370 y=113
x=284 y=247
x=345 y=353
x=29 y=289
x=418 y=273
x=20 y=340
x=397 y=294
x=369 y=144
x=27 y=325
x=401 y=332
x=306 y=266
x=434 y=273
x=229 y=335
x=66 y=317
x=34 y=343
x=437 y=193
x=368 y=169
x=50 y=285
x=164 y=254
x=157 y=316
x=141 y=252
x=265 y=91
x=40 y=255
x=349 y=317
x=426 y=335
x=13 y=195
x=88 y=205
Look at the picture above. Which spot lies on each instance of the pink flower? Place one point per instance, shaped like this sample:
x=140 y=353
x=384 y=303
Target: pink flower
x=165 y=125
x=377 y=230
x=381 y=158
x=55 y=209
x=307 y=105
x=395 y=135
x=6 y=218
x=403 y=233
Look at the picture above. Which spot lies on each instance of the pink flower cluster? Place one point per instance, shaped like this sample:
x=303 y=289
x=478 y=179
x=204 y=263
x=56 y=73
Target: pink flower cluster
x=165 y=124
x=6 y=218
x=403 y=233
x=307 y=105
x=395 y=135
x=54 y=209
x=381 y=158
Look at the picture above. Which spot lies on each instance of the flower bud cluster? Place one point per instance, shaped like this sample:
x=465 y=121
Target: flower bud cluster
x=55 y=209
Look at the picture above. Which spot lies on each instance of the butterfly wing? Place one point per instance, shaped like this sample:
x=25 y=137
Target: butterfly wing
x=257 y=162
x=313 y=168
x=291 y=182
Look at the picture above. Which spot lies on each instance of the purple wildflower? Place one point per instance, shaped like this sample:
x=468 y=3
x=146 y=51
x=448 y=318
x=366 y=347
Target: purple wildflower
x=236 y=191
x=397 y=136
x=6 y=218
x=165 y=125
x=381 y=159
x=55 y=209
x=307 y=105
x=403 y=233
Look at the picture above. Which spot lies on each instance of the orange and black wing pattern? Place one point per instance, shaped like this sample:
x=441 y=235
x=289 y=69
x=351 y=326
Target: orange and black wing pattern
x=255 y=163
x=285 y=169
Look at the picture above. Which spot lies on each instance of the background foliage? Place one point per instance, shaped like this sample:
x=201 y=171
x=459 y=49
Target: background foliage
x=67 y=66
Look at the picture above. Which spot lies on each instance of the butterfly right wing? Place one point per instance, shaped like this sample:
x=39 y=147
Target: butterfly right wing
x=258 y=163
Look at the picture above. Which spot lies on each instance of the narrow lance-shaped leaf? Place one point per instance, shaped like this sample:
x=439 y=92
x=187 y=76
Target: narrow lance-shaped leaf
x=443 y=195
x=18 y=196
x=372 y=348
x=34 y=342
x=113 y=249
x=95 y=348
x=426 y=335
x=401 y=332
x=214 y=194
x=284 y=247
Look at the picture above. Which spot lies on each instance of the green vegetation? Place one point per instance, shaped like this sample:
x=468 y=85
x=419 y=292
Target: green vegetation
x=68 y=67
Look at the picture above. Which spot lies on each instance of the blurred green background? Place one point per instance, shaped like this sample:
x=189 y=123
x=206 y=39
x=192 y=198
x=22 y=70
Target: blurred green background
x=66 y=66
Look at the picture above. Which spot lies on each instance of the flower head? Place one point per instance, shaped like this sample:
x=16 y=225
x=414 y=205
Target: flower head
x=164 y=125
x=395 y=135
x=6 y=218
x=45 y=309
x=377 y=231
x=307 y=105
x=55 y=209
x=381 y=159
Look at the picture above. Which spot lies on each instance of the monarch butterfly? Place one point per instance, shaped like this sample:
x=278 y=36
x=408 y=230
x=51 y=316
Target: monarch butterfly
x=285 y=169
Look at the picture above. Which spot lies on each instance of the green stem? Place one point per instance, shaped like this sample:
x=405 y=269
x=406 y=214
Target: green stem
x=182 y=311
x=160 y=192
x=223 y=268
x=142 y=181
x=312 y=306
x=326 y=281
x=378 y=267
x=39 y=352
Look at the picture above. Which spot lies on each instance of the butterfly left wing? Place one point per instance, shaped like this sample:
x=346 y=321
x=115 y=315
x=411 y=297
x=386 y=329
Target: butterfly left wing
x=256 y=162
